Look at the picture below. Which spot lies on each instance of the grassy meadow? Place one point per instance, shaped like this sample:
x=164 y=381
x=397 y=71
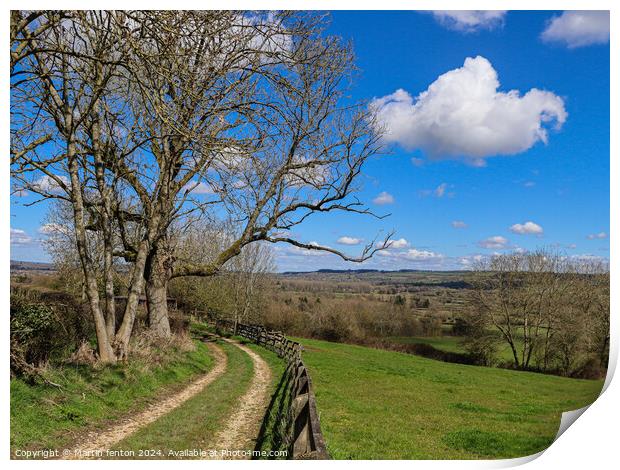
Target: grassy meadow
x=378 y=404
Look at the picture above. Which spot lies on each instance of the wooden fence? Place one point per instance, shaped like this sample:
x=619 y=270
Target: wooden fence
x=298 y=419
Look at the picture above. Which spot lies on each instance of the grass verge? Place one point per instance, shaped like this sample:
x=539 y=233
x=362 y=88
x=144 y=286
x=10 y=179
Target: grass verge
x=377 y=404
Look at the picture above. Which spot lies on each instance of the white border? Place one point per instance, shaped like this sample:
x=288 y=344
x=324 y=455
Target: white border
x=592 y=442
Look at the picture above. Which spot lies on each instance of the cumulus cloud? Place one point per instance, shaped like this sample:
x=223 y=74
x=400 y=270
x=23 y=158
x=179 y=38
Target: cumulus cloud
x=383 y=198
x=20 y=237
x=470 y=260
x=469 y=21
x=349 y=241
x=597 y=236
x=571 y=246
x=494 y=243
x=578 y=28
x=292 y=250
x=527 y=228
x=458 y=224
x=400 y=243
x=53 y=229
x=412 y=254
x=195 y=187
x=394 y=244
x=47 y=184
x=463 y=115
x=420 y=255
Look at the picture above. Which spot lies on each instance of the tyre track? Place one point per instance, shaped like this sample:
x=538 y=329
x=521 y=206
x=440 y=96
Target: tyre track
x=95 y=441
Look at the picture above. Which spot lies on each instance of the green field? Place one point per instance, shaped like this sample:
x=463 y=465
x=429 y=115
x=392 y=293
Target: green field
x=377 y=404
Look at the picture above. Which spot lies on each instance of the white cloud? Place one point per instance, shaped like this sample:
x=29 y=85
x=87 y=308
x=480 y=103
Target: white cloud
x=494 y=243
x=595 y=236
x=578 y=28
x=462 y=115
x=412 y=254
x=349 y=241
x=383 y=198
x=470 y=20
x=459 y=224
x=417 y=161
x=311 y=172
x=400 y=243
x=195 y=187
x=20 y=237
x=529 y=184
x=420 y=255
x=286 y=249
x=572 y=246
x=394 y=244
x=527 y=228
x=469 y=260
x=54 y=229
x=440 y=190
x=47 y=184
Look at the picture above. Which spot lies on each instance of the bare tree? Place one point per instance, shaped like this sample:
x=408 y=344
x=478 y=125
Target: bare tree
x=129 y=114
x=541 y=303
x=71 y=71
x=249 y=273
x=247 y=107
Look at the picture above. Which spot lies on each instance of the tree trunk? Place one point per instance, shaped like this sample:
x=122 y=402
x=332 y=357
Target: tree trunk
x=123 y=334
x=157 y=275
x=110 y=303
x=106 y=354
x=157 y=305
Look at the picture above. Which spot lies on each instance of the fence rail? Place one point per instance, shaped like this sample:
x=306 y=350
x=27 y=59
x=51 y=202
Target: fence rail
x=299 y=424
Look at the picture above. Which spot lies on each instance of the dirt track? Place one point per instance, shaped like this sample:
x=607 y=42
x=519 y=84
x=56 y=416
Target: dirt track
x=94 y=441
x=241 y=429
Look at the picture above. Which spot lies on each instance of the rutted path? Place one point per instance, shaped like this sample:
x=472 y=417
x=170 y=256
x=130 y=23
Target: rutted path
x=101 y=441
x=241 y=429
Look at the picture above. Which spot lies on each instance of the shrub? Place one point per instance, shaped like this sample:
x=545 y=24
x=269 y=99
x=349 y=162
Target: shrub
x=482 y=349
x=46 y=326
x=32 y=329
x=590 y=369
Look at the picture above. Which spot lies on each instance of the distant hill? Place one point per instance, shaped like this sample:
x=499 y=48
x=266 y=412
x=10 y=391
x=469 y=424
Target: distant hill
x=31 y=266
x=366 y=271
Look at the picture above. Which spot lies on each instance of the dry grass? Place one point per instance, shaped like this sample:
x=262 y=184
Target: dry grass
x=150 y=348
x=84 y=355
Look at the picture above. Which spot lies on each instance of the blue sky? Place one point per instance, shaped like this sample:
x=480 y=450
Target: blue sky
x=561 y=187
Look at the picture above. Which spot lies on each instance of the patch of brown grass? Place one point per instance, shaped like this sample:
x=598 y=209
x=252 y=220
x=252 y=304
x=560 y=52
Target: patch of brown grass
x=84 y=355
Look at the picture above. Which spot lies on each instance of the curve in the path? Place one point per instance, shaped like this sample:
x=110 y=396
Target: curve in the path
x=101 y=441
x=242 y=427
